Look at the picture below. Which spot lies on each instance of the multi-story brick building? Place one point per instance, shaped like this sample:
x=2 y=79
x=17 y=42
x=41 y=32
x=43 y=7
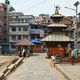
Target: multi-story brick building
x=19 y=29
x=43 y=19
x=4 y=28
x=36 y=33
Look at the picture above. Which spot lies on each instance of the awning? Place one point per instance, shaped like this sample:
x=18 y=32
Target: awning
x=57 y=37
x=35 y=40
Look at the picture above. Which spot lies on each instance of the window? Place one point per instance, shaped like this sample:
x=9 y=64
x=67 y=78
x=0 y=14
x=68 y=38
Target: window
x=13 y=37
x=36 y=27
x=25 y=28
x=12 y=46
x=32 y=27
x=22 y=20
x=24 y=37
x=13 y=28
x=19 y=37
x=26 y=20
x=19 y=28
x=39 y=27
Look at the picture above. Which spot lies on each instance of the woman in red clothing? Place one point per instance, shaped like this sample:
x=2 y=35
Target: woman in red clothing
x=69 y=52
x=79 y=53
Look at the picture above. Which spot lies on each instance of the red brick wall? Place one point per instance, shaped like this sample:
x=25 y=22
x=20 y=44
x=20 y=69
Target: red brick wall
x=37 y=50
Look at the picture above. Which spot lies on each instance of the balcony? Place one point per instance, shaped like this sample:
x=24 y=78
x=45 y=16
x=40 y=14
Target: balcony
x=18 y=24
x=35 y=31
x=10 y=40
x=19 y=33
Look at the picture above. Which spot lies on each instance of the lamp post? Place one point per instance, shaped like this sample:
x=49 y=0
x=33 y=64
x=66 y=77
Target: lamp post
x=75 y=24
x=75 y=27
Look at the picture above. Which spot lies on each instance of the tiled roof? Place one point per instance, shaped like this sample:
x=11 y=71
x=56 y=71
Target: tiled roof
x=57 y=37
x=57 y=25
x=24 y=42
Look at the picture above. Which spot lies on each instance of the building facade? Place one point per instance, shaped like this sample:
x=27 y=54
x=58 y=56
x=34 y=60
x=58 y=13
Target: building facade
x=4 y=28
x=19 y=29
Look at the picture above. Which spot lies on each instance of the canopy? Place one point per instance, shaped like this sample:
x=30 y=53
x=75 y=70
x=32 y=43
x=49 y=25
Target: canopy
x=24 y=42
x=36 y=40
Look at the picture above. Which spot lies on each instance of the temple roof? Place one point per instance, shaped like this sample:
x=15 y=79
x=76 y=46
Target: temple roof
x=57 y=14
x=57 y=25
x=57 y=37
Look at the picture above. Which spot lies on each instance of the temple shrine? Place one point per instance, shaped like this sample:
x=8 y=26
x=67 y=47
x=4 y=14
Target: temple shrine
x=60 y=36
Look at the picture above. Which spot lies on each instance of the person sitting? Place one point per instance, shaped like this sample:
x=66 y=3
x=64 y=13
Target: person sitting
x=56 y=59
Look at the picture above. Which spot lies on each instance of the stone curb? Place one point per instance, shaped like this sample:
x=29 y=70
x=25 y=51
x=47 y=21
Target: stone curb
x=10 y=68
x=13 y=66
x=1 y=76
x=62 y=72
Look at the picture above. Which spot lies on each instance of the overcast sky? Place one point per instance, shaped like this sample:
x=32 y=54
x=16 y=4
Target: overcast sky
x=36 y=7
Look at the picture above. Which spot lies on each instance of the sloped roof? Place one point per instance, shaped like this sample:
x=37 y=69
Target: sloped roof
x=57 y=25
x=57 y=37
x=57 y=15
x=24 y=42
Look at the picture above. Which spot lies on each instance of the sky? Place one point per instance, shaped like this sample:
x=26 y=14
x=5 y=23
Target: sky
x=36 y=7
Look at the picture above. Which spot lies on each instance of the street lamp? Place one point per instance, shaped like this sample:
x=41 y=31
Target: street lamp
x=76 y=5
x=75 y=24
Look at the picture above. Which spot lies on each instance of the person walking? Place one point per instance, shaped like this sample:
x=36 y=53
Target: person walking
x=24 y=53
x=73 y=55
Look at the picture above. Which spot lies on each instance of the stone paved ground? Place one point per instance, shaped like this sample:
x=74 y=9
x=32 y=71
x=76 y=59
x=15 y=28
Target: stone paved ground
x=71 y=71
x=36 y=68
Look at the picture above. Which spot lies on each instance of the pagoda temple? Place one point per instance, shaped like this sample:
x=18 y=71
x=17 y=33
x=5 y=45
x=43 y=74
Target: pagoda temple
x=59 y=37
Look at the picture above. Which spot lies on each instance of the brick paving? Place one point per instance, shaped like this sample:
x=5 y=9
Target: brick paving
x=36 y=67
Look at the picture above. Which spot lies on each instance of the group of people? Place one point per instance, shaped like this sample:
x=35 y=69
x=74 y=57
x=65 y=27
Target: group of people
x=22 y=53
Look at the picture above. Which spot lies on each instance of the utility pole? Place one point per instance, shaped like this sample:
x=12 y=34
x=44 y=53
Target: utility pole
x=75 y=26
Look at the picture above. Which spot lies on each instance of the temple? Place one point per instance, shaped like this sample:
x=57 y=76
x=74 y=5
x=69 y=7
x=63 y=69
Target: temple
x=59 y=38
